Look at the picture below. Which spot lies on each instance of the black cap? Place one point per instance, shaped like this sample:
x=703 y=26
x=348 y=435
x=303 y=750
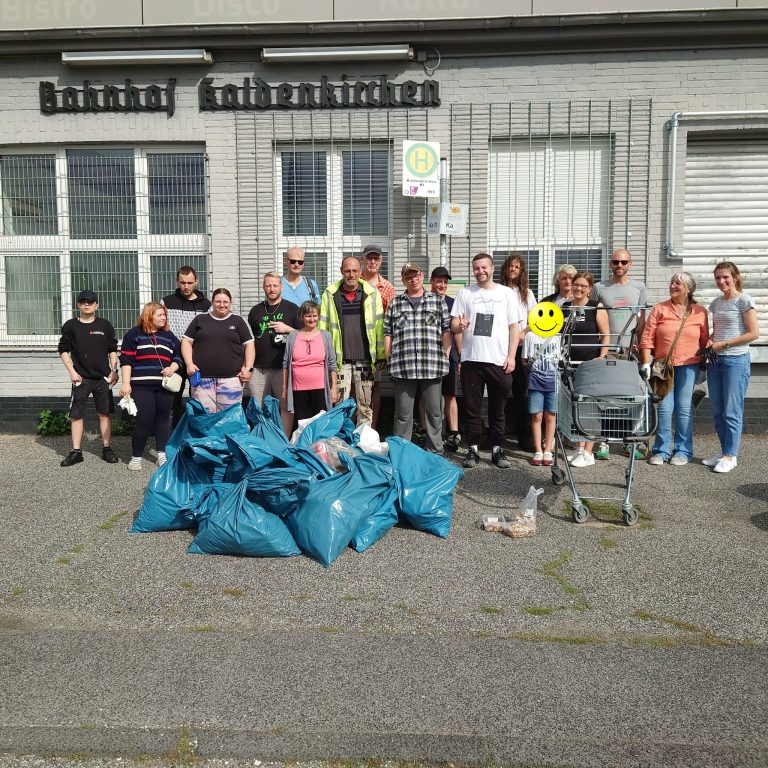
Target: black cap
x=440 y=272
x=87 y=296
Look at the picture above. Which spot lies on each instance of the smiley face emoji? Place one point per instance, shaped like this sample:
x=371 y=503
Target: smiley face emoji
x=546 y=319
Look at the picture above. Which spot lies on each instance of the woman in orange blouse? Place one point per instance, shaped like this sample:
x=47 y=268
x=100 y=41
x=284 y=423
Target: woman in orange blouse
x=658 y=335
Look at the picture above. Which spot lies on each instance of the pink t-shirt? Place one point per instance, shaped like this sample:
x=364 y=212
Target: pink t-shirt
x=308 y=362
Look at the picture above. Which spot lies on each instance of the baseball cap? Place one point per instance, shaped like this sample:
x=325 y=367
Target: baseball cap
x=372 y=248
x=87 y=296
x=440 y=272
x=409 y=268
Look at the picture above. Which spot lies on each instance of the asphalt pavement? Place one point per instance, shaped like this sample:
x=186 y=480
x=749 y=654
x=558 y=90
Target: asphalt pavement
x=586 y=645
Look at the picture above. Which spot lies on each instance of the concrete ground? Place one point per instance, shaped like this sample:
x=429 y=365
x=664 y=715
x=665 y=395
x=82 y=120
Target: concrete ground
x=586 y=645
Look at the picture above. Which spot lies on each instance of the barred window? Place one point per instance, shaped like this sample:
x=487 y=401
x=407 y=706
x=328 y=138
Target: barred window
x=116 y=221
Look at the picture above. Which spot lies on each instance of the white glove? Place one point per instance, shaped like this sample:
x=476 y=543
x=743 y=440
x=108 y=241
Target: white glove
x=645 y=371
x=128 y=405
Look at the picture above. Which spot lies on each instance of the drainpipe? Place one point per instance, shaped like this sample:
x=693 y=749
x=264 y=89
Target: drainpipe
x=674 y=121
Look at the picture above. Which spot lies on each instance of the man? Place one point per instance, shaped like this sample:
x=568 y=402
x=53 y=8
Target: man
x=488 y=315
x=621 y=291
x=417 y=342
x=438 y=282
x=372 y=260
x=296 y=287
x=88 y=349
x=181 y=307
x=271 y=321
x=351 y=310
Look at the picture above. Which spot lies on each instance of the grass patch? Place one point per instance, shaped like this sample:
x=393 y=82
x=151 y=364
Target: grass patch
x=233 y=592
x=552 y=571
x=205 y=628
x=491 y=610
x=534 y=610
x=110 y=522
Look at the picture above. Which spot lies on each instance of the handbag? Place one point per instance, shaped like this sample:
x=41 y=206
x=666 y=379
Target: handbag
x=662 y=377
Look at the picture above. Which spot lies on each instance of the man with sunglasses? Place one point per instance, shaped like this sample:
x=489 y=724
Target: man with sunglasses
x=621 y=291
x=296 y=287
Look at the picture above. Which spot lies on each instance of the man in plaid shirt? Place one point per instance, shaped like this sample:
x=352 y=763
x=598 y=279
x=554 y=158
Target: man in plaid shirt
x=417 y=342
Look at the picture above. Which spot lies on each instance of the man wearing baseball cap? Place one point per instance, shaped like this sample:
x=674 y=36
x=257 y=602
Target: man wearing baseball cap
x=417 y=342
x=88 y=349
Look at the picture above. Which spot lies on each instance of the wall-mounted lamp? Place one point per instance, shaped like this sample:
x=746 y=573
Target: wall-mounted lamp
x=339 y=53
x=169 y=56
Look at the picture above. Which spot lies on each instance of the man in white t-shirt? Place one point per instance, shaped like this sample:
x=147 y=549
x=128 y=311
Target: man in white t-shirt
x=488 y=317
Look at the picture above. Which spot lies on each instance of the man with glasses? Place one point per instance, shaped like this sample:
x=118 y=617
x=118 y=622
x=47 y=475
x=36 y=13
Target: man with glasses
x=621 y=291
x=296 y=287
x=417 y=342
x=88 y=349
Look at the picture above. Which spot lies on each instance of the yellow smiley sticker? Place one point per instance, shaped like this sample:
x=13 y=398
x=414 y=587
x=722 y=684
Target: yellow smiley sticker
x=546 y=319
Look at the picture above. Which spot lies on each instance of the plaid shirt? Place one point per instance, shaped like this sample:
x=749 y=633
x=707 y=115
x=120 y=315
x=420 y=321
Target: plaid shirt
x=417 y=347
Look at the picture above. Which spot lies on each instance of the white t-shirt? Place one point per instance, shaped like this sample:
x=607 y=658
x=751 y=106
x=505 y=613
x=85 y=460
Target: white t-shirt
x=490 y=313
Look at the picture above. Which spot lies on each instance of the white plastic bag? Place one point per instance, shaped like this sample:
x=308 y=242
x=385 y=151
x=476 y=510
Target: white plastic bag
x=370 y=442
x=522 y=523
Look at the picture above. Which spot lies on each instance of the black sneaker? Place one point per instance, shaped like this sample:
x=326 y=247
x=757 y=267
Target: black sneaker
x=471 y=459
x=452 y=442
x=73 y=457
x=500 y=460
x=109 y=455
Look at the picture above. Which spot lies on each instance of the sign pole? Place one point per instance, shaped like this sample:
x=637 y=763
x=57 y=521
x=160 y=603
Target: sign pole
x=443 y=236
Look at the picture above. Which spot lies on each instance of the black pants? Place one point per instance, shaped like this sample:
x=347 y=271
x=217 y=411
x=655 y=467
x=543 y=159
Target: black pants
x=153 y=413
x=475 y=377
x=308 y=403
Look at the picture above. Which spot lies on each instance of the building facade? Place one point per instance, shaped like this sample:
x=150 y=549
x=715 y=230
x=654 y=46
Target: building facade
x=565 y=135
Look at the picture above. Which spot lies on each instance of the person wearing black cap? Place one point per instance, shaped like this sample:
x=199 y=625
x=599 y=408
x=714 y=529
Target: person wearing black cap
x=438 y=282
x=88 y=349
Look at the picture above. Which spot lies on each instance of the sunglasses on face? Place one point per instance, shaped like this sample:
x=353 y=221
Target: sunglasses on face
x=295 y=261
x=616 y=262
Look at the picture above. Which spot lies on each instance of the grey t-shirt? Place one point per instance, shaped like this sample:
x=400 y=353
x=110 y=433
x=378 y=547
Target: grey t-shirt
x=610 y=294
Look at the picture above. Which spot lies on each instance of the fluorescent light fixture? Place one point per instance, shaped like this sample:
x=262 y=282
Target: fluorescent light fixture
x=339 y=53
x=169 y=56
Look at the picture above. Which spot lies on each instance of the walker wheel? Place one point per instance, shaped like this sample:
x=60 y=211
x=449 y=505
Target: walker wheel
x=558 y=476
x=630 y=516
x=580 y=512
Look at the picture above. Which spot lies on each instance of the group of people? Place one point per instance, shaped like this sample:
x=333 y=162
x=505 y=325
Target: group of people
x=311 y=350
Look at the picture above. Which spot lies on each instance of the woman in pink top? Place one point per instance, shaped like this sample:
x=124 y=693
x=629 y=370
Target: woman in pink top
x=309 y=367
x=659 y=333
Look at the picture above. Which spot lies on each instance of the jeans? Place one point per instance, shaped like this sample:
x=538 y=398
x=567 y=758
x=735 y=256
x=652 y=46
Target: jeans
x=677 y=405
x=728 y=379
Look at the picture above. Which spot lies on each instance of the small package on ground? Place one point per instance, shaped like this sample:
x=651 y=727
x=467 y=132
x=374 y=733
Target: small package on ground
x=519 y=525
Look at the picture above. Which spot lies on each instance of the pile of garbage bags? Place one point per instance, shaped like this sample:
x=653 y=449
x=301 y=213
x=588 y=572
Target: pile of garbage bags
x=236 y=478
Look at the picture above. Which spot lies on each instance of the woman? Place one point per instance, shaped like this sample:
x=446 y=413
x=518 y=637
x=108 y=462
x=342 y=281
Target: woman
x=563 y=282
x=218 y=345
x=309 y=367
x=514 y=275
x=149 y=353
x=659 y=333
x=734 y=325
x=590 y=339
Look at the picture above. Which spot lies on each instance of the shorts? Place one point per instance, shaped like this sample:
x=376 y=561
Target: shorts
x=450 y=382
x=538 y=402
x=102 y=398
x=266 y=381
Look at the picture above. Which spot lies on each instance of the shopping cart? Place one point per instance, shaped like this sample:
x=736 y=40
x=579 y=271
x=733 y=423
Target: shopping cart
x=605 y=399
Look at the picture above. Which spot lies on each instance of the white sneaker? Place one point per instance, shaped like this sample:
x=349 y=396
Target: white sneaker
x=678 y=461
x=583 y=460
x=161 y=458
x=712 y=460
x=725 y=465
x=656 y=460
x=135 y=463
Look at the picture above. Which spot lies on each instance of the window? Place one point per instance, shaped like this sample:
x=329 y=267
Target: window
x=549 y=198
x=332 y=202
x=118 y=221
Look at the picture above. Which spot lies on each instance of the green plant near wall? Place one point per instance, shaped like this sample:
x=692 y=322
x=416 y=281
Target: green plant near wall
x=53 y=423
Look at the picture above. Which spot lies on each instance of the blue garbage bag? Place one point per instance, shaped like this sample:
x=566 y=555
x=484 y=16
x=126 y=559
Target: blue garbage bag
x=333 y=511
x=197 y=422
x=425 y=483
x=335 y=423
x=266 y=424
x=377 y=472
x=240 y=526
x=175 y=492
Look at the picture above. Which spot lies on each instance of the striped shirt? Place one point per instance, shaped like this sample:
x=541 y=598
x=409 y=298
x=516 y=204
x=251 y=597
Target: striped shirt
x=148 y=354
x=728 y=321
